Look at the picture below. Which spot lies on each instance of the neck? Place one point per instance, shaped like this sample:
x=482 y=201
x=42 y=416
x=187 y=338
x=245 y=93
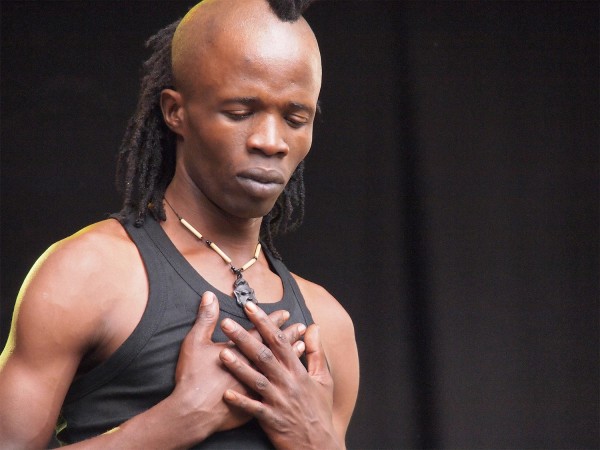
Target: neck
x=234 y=235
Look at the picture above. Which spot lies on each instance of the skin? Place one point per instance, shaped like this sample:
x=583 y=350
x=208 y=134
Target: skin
x=242 y=128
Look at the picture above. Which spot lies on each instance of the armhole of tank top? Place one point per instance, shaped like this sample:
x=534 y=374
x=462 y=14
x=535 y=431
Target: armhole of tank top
x=289 y=282
x=301 y=303
x=135 y=342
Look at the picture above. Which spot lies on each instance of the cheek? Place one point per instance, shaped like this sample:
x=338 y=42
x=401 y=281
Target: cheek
x=213 y=145
x=302 y=146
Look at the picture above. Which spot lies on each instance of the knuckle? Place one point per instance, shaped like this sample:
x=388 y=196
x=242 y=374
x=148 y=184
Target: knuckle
x=282 y=337
x=291 y=336
x=265 y=355
x=207 y=310
x=262 y=383
x=261 y=410
x=207 y=315
x=279 y=422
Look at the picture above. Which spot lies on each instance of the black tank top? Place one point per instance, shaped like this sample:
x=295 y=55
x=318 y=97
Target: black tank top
x=140 y=373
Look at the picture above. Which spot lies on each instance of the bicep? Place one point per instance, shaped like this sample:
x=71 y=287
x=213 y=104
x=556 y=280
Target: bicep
x=45 y=346
x=343 y=357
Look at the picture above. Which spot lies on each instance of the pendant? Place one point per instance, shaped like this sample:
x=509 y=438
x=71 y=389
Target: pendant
x=242 y=291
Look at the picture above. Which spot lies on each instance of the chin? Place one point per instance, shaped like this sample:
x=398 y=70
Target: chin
x=253 y=211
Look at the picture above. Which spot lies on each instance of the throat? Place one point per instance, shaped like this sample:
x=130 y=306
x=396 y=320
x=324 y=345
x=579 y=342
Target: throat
x=242 y=292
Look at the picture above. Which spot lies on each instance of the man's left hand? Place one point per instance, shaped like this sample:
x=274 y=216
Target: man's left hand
x=295 y=405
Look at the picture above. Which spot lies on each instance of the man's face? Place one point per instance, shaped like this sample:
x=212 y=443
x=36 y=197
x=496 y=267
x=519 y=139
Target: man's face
x=249 y=108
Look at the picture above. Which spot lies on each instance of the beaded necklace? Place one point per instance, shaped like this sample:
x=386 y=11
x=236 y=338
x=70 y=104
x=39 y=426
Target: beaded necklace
x=241 y=289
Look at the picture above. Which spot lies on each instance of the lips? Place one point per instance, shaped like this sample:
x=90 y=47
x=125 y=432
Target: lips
x=265 y=176
x=262 y=183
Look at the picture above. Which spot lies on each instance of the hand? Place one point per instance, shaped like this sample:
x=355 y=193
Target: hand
x=201 y=380
x=295 y=405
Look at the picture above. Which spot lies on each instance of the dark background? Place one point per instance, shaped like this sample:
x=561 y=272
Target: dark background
x=452 y=197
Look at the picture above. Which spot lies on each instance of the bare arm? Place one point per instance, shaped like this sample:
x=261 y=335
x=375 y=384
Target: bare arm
x=49 y=335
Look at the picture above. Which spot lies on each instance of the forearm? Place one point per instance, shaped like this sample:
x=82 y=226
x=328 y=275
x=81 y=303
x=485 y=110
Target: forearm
x=163 y=426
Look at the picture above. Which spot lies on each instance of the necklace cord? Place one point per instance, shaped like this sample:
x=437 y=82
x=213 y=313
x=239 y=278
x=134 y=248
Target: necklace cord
x=242 y=291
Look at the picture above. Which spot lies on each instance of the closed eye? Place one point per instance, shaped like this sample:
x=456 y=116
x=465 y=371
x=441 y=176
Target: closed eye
x=296 y=121
x=238 y=115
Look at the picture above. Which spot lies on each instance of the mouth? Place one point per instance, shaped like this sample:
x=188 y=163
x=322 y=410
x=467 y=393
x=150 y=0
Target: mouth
x=261 y=182
x=264 y=176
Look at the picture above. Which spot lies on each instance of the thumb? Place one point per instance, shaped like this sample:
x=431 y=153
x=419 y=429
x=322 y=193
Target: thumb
x=206 y=320
x=315 y=355
x=199 y=335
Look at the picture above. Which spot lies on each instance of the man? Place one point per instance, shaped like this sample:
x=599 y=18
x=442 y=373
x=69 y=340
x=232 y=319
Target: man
x=110 y=339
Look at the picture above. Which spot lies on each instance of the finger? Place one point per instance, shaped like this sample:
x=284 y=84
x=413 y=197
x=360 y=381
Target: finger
x=206 y=320
x=278 y=318
x=255 y=408
x=299 y=348
x=256 y=351
x=294 y=333
x=201 y=332
x=315 y=355
x=253 y=379
x=276 y=340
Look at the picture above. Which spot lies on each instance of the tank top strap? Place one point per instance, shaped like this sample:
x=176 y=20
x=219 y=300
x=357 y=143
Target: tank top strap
x=290 y=286
x=149 y=322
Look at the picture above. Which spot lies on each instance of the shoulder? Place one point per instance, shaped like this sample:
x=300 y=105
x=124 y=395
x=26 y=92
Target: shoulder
x=70 y=282
x=76 y=262
x=326 y=310
x=89 y=245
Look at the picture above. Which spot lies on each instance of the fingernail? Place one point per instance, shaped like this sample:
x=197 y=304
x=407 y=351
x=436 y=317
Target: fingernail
x=250 y=306
x=228 y=355
x=228 y=325
x=286 y=316
x=229 y=395
x=208 y=298
x=300 y=346
x=301 y=328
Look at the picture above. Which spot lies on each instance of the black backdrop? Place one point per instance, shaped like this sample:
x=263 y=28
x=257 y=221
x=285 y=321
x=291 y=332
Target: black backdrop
x=452 y=197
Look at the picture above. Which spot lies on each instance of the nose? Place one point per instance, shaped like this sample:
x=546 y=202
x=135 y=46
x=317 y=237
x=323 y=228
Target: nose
x=267 y=136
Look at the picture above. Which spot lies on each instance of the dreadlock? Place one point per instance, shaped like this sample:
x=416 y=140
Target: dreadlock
x=146 y=161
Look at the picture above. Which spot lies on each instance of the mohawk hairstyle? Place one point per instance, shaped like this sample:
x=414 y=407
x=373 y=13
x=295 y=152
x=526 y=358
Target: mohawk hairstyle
x=289 y=10
x=146 y=159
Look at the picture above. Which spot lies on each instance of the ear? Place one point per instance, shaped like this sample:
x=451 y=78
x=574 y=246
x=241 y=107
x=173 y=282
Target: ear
x=171 y=105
